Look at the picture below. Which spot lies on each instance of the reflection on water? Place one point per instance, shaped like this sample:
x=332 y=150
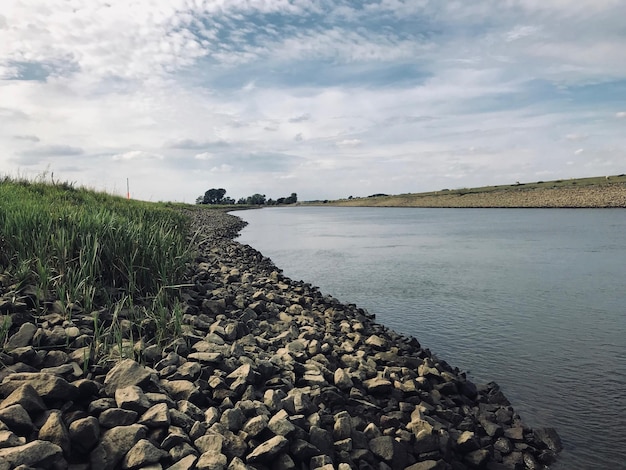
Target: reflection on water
x=533 y=299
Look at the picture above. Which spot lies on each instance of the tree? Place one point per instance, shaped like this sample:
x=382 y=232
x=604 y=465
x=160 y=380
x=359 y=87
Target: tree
x=291 y=199
x=256 y=199
x=213 y=196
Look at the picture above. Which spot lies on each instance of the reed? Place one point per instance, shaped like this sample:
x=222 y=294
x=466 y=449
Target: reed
x=92 y=252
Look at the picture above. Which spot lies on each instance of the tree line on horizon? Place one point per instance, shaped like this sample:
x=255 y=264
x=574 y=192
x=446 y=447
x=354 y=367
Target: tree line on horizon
x=218 y=196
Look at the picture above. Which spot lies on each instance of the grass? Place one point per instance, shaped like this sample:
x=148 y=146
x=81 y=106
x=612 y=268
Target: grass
x=93 y=252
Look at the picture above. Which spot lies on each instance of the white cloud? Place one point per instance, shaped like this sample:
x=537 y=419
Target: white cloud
x=204 y=156
x=348 y=143
x=579 y=152
x=621 y=115
x=136 y=155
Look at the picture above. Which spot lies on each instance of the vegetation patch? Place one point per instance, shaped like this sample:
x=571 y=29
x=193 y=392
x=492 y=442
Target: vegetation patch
x=72 y=251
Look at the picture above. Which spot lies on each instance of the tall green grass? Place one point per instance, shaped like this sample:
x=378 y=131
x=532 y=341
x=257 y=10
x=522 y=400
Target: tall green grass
x=85 y=250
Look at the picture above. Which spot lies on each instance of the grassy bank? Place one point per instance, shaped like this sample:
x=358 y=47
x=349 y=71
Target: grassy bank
x=73 y=251
x=580 y=192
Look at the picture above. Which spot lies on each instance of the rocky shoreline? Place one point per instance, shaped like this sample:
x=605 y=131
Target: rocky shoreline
x=269 y=373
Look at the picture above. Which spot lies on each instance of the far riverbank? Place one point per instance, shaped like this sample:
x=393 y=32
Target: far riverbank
x=581 y=193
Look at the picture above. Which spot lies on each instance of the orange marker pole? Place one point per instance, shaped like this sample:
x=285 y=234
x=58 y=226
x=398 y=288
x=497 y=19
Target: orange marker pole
x=127 y=189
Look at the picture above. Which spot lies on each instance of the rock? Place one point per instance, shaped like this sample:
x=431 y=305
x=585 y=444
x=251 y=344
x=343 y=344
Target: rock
x=156 y=416
x=17 y=419
x=26 y=396
x=233 y=419
x=280 y=425
x=267 y=450
x=342 y=379
x=117 y=417
x=84 y=434
x=210 y=443
x=378 y=386
x=211 y=461
x=143 y=453
x=49 y=387
x=477 y=458
x=115 y=443
x=132 y=398
x=549 y=438
x=54 y=430
x=10 y=439
x=256 y=425
x=126 y=372
x=185 y=463
x=34 y=454
x=22 y=337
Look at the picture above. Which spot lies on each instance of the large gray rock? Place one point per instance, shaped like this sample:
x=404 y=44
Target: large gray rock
x=48 y=386
x=114 y=445
x=142 y=454
x=132 y=398
x=211 y=461
x=84 y=434
x=125 y=373
x=55 y=431
x=22 y=337
x=17 y=419
x=268 y=450
x=34 y=454
x=156 y=416
x=26 y=396
x=186 y=463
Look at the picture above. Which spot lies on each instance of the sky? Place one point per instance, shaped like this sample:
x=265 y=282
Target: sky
x=324 y=98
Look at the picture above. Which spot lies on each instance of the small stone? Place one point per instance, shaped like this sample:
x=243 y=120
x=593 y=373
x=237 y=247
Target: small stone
x=54 y=430
x=156 y=416
x=210 y=443
x=22 y=338
x=132 y=398
x=186 y=463
x=126 y=372
x=343 y=380
x=26 y=396
x=142 y=454
x=48 y=386
x=255 y=425
x=84 y=433
x=17 y=419
x=117 y=417
x=115 y=443
x=34 y=454
x=267 y=450
x=211 y=461
x=378 y=386
x=233 y=419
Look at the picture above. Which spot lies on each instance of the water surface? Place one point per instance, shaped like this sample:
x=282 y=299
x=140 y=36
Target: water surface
x=531 y=298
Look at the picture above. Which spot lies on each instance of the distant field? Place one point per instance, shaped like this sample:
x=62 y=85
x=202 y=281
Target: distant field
x=580 y=192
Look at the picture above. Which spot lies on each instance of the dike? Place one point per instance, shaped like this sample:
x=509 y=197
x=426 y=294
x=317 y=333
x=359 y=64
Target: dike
x=269 y=374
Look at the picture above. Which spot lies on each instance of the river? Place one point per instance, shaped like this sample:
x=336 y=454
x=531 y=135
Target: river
x=534 y=299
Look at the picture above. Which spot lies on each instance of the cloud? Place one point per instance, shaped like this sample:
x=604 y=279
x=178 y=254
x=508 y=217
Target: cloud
x=204 y=156
x=52 y=151
x=28 y=138
x=620 y=115
x=136 y=155
x=575 y=137
x=190 y=144
x=579 y=152
x=348 y=143
x=301 y=118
